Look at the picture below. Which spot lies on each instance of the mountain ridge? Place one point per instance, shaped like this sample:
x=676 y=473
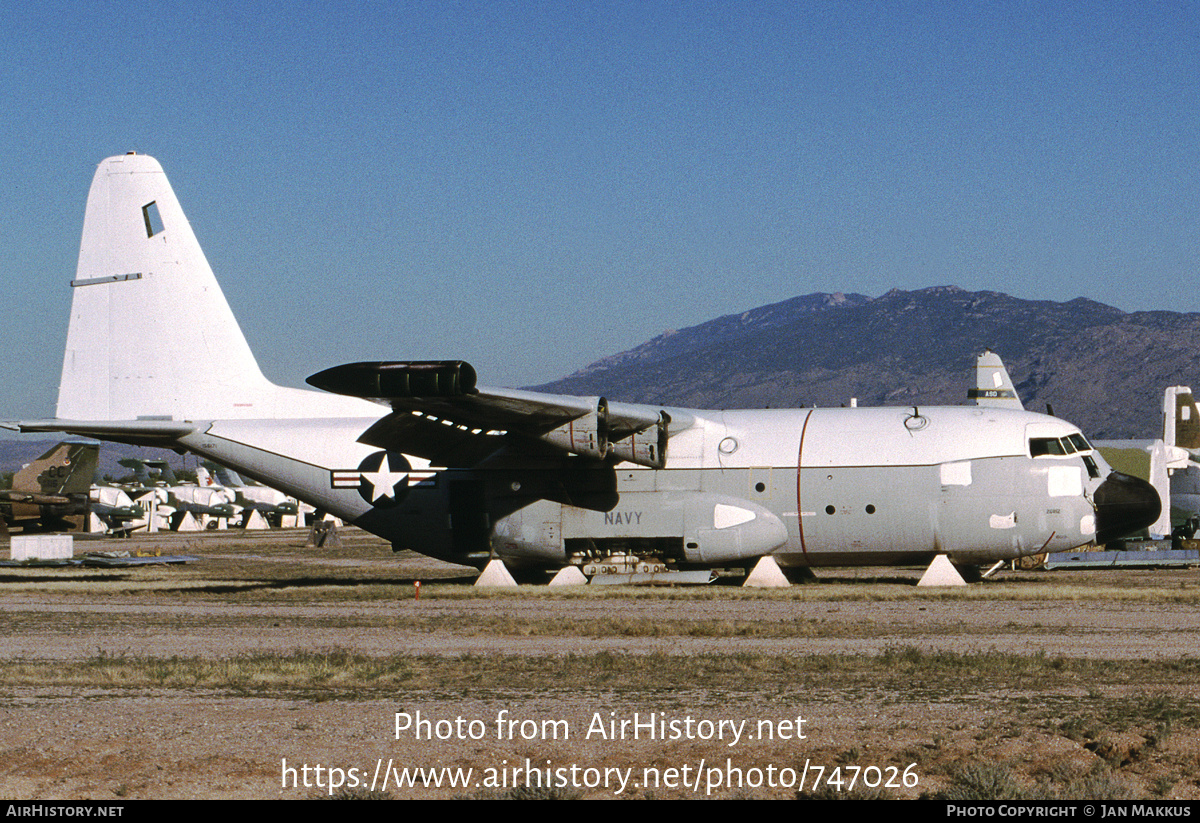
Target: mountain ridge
x=1102 y=368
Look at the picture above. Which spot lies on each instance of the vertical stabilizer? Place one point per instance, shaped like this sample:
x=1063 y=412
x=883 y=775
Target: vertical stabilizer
x=151 y=334
x=1181 y=419
x=143 y=294
x=67 y=468
x=993 y=386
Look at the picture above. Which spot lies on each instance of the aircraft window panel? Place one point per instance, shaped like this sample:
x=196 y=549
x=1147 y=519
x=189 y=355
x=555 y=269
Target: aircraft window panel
x=1042 y=446
x=1069 y=446
x=1080 y=442
x=153 y=221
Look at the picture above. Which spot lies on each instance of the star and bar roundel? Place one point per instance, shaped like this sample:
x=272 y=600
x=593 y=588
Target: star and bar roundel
x=382 y=478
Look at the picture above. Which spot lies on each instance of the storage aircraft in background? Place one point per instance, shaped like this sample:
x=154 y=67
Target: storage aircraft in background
x=52 y=488
x=1171 y=463
x=419 y=454
x=1181 y=436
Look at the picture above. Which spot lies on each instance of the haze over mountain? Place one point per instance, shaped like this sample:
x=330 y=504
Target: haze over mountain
x=1100 y=367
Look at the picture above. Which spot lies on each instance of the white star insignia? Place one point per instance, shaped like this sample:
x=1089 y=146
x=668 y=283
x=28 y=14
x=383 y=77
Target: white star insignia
x=384 y=480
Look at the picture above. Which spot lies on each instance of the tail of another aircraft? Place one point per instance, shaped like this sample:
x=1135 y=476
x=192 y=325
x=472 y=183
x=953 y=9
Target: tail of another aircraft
x=993 y=386
x=151 y=334
x=150 y=472
x=1181 y=418
x=67 y=468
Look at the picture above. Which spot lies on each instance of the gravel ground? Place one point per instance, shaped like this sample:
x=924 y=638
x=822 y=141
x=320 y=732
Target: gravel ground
x=267 y=594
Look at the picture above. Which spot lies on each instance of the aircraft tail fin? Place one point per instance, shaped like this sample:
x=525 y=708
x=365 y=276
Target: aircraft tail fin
x=165 y=473
x=993 y=386
x=1160 y=465
x=1181 y=418
x=151 y=335
x=67 y=468
x=225 y=476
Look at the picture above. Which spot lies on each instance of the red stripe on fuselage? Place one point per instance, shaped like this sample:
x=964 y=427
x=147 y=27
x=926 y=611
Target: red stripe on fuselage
x=799 y=508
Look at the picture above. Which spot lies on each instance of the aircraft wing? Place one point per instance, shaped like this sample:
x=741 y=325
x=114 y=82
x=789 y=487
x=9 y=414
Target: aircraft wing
x=438 y=413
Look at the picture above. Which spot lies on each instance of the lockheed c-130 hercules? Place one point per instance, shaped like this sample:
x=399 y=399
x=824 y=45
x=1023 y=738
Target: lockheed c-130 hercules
x=419 y=454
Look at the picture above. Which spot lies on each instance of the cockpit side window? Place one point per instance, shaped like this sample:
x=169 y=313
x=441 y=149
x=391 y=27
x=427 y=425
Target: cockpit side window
x=1070 y=444
x=1080 y=442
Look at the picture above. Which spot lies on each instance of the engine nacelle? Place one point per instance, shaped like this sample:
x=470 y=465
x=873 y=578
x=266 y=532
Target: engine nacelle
x=612 y=431
x=583 y=435
x=645 y=448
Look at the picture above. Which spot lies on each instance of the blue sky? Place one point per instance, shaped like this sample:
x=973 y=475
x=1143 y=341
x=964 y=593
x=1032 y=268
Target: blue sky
x=532 y=186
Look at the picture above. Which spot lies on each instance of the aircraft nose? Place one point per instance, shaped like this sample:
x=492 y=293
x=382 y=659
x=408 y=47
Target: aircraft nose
x=1124 y=504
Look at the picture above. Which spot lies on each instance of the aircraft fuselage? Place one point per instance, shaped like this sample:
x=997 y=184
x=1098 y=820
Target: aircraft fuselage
x=814 y=487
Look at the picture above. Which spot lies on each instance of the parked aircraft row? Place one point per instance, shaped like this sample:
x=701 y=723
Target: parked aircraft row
x=57 y=492
x=420 y=454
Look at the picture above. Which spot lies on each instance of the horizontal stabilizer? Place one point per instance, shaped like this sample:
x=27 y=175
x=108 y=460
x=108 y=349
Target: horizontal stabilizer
x=135 y=432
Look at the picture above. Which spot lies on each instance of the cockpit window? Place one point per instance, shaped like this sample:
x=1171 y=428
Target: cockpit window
x=1041 y=446
x=1072 y=443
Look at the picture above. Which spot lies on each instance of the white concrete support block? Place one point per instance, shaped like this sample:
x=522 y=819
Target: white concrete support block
x=495 y=574
x=766 y=574
x=941 y=572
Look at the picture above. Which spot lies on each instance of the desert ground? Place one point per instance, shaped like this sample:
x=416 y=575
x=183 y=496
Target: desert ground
x=265 y=669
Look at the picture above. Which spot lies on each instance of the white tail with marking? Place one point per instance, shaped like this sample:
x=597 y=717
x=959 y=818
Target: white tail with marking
x=151 y=334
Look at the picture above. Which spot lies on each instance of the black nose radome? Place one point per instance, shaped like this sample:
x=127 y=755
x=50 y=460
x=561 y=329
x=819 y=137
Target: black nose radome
x=1124 y=504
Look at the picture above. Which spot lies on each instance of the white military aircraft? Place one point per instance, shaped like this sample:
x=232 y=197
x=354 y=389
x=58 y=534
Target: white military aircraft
x=1171 y=463
x=420 y=455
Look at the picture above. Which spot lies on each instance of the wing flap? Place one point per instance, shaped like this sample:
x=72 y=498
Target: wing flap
x=441 y=442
